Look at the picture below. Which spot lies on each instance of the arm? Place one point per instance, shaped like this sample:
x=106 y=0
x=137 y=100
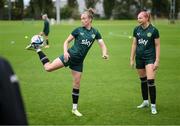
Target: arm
x=103 y=48
x=66 y=43
x=157 y=47
x=133 y=49
x=46 y=26
x=12 y=111
x=41 y=33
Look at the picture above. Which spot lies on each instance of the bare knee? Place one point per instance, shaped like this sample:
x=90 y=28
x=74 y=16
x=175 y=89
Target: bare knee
x=141 y=72
x=76 y=79
x=48 y=68
x=77 y=83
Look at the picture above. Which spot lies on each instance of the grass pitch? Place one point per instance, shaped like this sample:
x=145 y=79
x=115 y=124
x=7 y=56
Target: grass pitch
x=110 y=90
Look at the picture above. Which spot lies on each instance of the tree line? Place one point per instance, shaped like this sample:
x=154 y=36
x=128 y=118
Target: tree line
x=113 y=9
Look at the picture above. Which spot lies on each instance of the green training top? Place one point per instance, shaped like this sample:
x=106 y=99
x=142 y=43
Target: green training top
x=146 y=41
x=84 y=39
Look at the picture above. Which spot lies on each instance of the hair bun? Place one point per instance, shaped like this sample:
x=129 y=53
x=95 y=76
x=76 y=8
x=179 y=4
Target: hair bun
x=91 y=11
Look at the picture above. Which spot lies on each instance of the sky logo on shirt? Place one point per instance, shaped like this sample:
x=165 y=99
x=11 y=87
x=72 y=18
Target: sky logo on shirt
x=142 y=41
x=86 y=42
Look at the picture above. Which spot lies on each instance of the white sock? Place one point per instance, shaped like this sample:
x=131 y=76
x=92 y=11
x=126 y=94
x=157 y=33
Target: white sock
x=74 y=106
x=153 y=105
x=146 y=101
x=38 y=50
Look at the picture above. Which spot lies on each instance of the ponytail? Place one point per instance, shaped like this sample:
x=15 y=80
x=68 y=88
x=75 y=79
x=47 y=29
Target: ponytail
x=90 y=12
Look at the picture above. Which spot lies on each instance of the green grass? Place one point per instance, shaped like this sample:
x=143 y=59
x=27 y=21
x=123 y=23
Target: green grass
x=110 y=90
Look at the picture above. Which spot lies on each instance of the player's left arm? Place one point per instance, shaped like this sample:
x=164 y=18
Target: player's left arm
x=103 y=48
x=66 y=43
x=157 y=48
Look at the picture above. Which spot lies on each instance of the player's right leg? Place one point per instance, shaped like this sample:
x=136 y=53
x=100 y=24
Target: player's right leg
x=140 y=66
x=33 y=47
x=144 y=88
x=56 y=64
x=48 y=66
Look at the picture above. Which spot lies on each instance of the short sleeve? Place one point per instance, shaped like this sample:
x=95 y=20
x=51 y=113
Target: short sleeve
x=75 y=32
x=134 y=32
x=156 y=33
x=98 y=35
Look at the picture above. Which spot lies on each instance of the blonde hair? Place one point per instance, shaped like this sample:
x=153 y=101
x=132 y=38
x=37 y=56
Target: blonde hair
x=90 y=12
x=45 y=16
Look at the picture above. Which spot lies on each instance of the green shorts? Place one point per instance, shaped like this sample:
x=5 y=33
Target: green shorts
x=142 y=62
x=72 y=63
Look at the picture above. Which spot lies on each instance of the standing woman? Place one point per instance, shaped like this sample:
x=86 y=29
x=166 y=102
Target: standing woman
x=46 y=29
x=146 y=50
x=73 y=57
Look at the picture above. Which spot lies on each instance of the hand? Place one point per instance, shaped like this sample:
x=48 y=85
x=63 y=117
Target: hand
x=132 y=63
x=156 y=65
x=41 y=33
x=66 y=57
x=105 y=56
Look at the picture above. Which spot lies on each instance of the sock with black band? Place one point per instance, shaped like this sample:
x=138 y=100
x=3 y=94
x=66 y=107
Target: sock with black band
x=152 y=90
x=42 y=57
x=144 y=88
x=75 y=97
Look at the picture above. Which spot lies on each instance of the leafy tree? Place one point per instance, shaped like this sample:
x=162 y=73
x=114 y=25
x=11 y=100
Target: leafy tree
x=72 y=9
x=160 y=8
x=2 y=2
x=108 y=7
x=72 y=3
x=17 y=9
x=121 y=9
x=177 y=7
x=91 y=3
x=38 y=7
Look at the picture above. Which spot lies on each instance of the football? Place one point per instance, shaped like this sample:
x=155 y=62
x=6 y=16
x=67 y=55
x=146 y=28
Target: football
x=37 y=40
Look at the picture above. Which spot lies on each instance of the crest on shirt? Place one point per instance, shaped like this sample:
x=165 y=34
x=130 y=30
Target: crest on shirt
x=149 y=34
x=93 y=36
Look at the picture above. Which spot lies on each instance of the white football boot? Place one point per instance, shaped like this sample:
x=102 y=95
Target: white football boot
x=144 y=104
x=33 y=47
x=76 y=112
x=30 y=47
x=153 y=109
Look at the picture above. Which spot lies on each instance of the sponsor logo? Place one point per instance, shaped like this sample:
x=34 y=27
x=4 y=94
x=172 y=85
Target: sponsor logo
x=142 y=41
x=86 y=42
